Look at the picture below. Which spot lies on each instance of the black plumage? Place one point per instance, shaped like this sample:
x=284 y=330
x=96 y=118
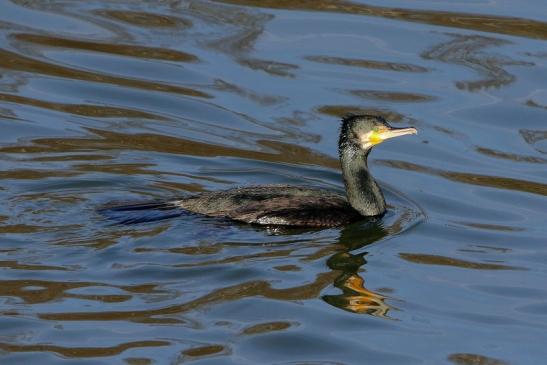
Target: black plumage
x=303 y=206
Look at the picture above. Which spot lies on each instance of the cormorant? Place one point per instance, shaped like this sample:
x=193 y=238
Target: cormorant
x=288 y=205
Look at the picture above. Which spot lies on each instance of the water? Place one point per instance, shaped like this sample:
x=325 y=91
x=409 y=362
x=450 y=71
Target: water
x=125 y=101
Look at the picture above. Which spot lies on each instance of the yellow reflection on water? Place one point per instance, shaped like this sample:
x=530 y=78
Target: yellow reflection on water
x=356 y=298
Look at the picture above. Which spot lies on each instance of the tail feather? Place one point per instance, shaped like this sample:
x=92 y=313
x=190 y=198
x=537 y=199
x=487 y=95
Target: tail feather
x=141 y=212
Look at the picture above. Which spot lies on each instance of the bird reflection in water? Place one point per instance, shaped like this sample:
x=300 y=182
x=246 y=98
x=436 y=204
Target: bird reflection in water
x=345 y=262
x=355 y=297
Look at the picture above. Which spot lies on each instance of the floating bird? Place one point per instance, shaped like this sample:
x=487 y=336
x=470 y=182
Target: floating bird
x=287 y=205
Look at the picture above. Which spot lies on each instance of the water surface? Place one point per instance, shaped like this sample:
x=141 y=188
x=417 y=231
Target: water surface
x=126 y=101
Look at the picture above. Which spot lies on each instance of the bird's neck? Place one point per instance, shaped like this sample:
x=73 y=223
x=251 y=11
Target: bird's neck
x=362 y=191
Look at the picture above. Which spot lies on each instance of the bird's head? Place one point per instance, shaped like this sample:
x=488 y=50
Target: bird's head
x=366 y=131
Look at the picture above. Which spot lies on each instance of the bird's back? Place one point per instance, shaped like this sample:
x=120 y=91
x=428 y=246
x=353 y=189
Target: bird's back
x=274 y=205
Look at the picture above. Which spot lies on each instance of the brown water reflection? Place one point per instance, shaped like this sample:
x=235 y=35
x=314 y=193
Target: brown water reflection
x=485 y=23
x=391 y=96
x=40 y=291
x=474 y=359
x=16 y=62
x=15 y=265
x=87 y=110
x=82 y=352
x=266 y=327
x=511 y=156
x=115 y=49
x=204 y=351
x=474 y=179
x=145 y=19
x=237 y=292
x=449 y=261
x=343 y=110
x=109 y=140
x=390 y=66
